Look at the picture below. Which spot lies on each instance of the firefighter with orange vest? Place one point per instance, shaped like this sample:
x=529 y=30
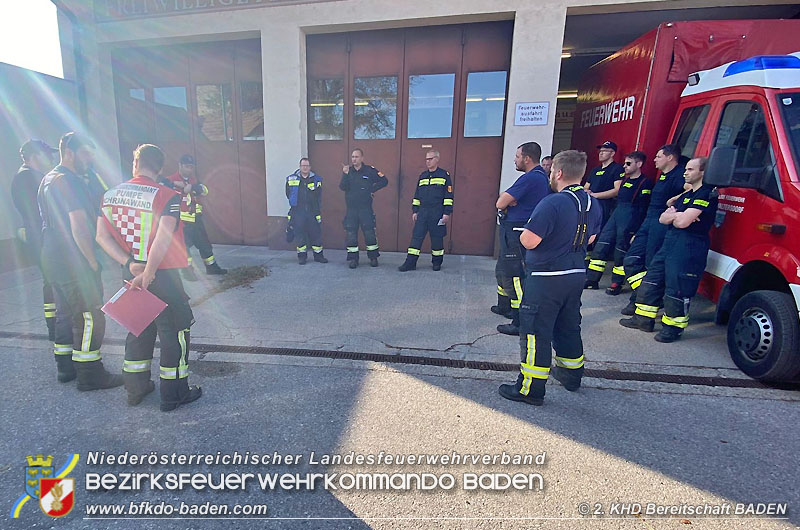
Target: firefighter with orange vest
x=140 y=228
x=185 y=181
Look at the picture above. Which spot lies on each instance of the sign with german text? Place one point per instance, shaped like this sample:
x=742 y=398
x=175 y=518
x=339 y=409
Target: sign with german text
x=532 y=113
x=111 y=10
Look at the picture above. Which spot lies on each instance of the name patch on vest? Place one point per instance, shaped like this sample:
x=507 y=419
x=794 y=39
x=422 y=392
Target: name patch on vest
x=136 y=196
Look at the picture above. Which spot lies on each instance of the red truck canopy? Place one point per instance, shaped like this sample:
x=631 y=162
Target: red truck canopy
x=631 y=97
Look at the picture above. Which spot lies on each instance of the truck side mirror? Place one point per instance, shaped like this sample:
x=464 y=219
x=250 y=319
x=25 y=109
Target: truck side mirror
x=720 y=166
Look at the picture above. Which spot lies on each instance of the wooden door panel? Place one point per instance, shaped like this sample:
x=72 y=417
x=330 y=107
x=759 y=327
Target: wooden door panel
x=212 y=65
x=378 y=55
x=250 y=141
x=327 y=142
x=487 y=48
x=168 y=78
x=432 y=55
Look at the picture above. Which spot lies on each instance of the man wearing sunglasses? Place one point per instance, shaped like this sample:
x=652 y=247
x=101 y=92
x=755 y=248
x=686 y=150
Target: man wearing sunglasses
x=431 y=208
x=614 y=240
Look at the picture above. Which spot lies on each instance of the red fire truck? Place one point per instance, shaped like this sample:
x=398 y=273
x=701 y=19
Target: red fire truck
x=738 y=102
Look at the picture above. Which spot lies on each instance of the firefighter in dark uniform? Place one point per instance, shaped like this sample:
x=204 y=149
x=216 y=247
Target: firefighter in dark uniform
x=69 y=216
x=140 y=228
x=431 y=208
x=304 y=191
x=185 y=181
x=675 y=272
x=556 y=236
x=515 y=206
x=603 y=182
x=614 y=240
x=37 y=159
x=359 y=182
x=650 y=236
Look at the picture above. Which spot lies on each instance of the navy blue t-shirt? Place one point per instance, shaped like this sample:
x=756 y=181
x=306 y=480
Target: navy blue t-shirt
x=705 y=200
x=666 y=187
x=60 y=193
x=528 y=190
x=555 y=220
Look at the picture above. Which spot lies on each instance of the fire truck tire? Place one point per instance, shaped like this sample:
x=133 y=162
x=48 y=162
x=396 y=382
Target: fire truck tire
x=764 y=336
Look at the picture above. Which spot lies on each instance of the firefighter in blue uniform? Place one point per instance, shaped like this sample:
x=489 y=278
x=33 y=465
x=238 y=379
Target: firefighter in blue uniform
x=69 y=206
x=556 y=236
x=603 y=182
x=614 y=240
x=37 y=159
x=675 y=272
x=359 y=182
x=650 y=236
x=515 y=206
x=431 y=208
x=304 y=191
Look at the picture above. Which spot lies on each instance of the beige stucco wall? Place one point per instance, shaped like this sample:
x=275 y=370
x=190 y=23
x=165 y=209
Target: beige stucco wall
x=535 y=60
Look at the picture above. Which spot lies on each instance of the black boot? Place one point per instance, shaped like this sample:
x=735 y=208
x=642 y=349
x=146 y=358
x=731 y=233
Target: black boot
x=319 y=258
x=409 y=264
x=614 y=289
x=567 y=379
x=437 y=266
x=535 y=395
x=302 y=259
x=667 y=334
x=137 y=397
x=591 y=285
x=353 y=263
x=373 y=262
x=66 y=368
x=508 y=329
x=638 y=322
x=498 y=310
x=503 y=307
x=192 y=394
x=629 y=310
x=92 y=375
x=215 y=269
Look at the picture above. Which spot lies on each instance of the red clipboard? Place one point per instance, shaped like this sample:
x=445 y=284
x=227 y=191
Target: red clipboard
x=134 y=309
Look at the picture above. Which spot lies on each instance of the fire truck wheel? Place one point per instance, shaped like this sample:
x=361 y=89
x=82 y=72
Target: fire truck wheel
x=764 y=336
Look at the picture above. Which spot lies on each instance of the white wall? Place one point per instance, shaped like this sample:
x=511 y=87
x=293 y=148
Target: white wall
x=535 y=61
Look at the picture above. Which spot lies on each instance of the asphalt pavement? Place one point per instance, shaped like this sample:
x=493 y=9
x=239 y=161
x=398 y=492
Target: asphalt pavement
x=635 y=437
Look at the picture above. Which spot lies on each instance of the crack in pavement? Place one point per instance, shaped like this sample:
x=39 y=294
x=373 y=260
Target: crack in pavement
x=386 y=345
x=470 y=344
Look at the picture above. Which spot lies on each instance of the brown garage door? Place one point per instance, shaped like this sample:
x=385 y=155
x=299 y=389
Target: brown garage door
x=203 y=99
x=396 y=94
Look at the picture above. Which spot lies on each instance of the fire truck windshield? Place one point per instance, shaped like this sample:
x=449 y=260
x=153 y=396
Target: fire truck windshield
x=790 y=111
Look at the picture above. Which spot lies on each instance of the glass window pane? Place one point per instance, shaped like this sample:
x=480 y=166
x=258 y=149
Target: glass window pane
x=327 y=108
x=485 y=104
x=790 y=110
x=375 y=108
x=214 y=115
x=743 y=126
x=137 y=93
x=172 y=113
x=134 y=117
x=252 y=103
x=430 y=105
x=690 y=126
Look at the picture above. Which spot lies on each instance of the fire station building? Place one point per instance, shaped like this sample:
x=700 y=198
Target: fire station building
x=249 y=86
